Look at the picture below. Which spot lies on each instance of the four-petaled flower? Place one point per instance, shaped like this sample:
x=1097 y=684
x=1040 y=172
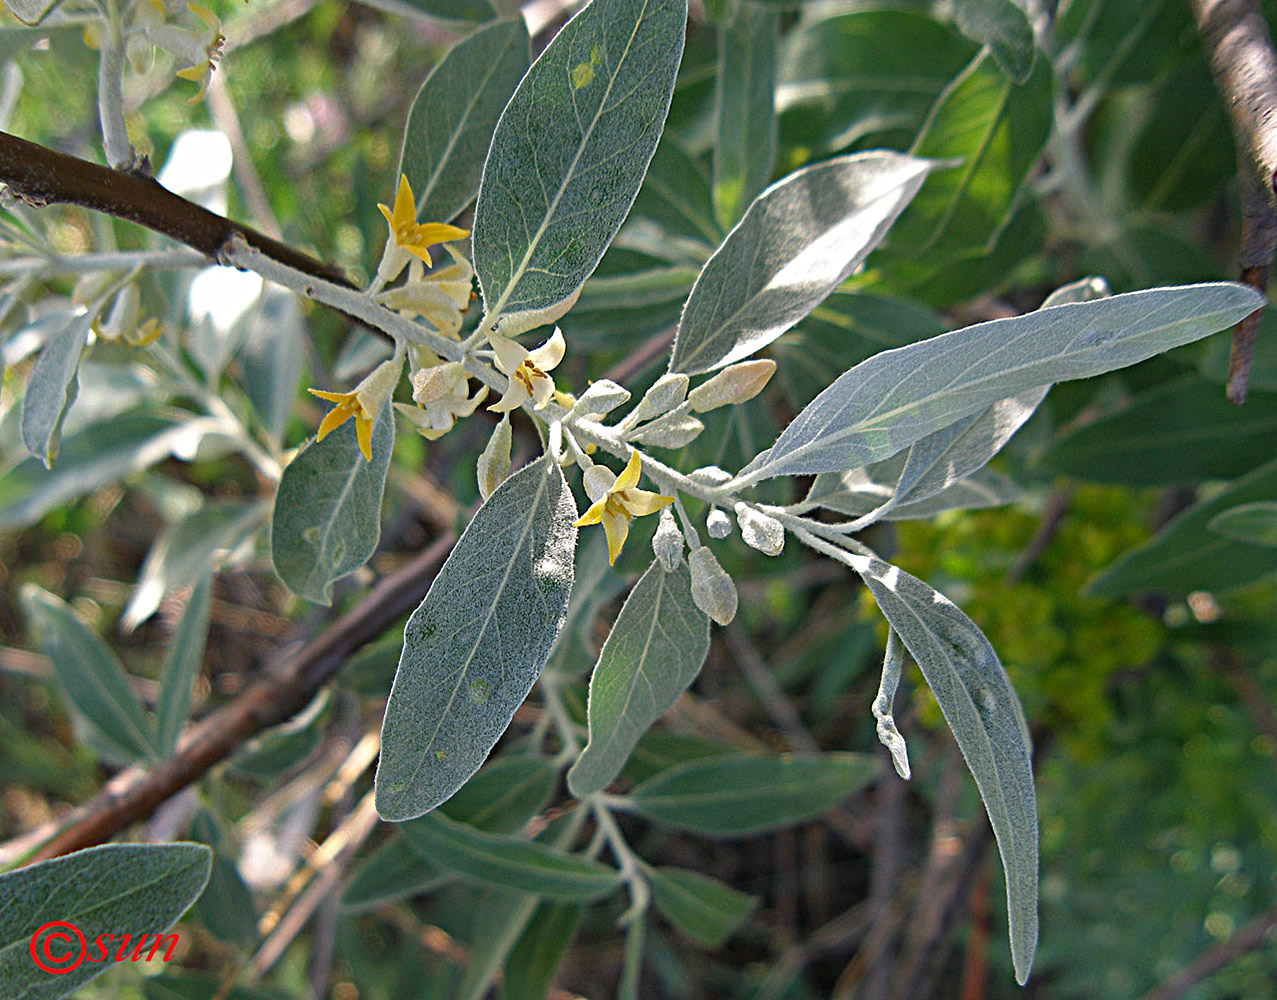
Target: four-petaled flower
x=442 y=393
x=616 y=501
x=363 y=403
x=408 y=237
x=526 y=370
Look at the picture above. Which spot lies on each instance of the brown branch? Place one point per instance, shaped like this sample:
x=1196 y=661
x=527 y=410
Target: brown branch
x=1215 y=958
x=41 y=176
x=1240 y=49
x=284 y=687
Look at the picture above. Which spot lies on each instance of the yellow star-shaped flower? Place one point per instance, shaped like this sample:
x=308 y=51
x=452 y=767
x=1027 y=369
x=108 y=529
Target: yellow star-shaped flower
x=615 y=503
x=527 y=370
x=363 y=403
x=408 y=236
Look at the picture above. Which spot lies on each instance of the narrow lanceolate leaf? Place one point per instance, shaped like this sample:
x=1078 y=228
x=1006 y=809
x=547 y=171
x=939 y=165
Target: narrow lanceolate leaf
x=515 y=864
x=51 y=389
x=90 y=674
x=1254 y=523
x=476 y=644
x=1186 y=555
x=703 y=908
x=569 y=154
x=982 y=709
x=117 y=891
x=745 y=149
x=327 y=516
x=862 y=490
x=1004 y=27
x=798 y=241
x=897 y=397
x=182 y=665
x=655 y=650
x=741 y=795
x=530 y=969
x=395 y=871
x=454 y=113
x=947 y=456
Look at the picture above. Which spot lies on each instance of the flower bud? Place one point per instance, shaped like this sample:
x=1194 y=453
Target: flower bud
x=667 y=392
x=494 y=461
x=667 y=543
x=718 y=524
x=601 y=397
x=734 y=384
x=670 y=431
x=712 y=589
x=760 y=531
x=711 y=475
x=598 y=479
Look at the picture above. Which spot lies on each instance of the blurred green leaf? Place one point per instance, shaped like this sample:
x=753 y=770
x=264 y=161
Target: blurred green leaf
x=279 y=748
x=394 y=871
x=226 y=905
x=523 y=865
x=703 y=908
x=1183 y=432
x=51 y=388
x=1255 y=523
x=739 y=796
x=1004 y=28
x=272 y=358
x=529 y=971
x=504 y=795
x=1186 y=555
x=745 y=148
x=182 y=665
x=91 y=676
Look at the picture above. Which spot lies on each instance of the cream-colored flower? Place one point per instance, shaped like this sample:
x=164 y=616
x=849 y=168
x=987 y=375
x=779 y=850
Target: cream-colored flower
x=527 y=370
x=442 y=393
x=439 y=297
x=363 y=403
x=409 y=238
x=616 y=501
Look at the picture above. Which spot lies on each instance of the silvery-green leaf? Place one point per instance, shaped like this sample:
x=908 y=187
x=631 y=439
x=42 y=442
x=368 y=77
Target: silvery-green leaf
x=90 y=674
x=476 y=644
x=797 y=242
x=182 y=665
x=494 y=461
x=393 y=872
x=183 y=553
x=1248 y=522
x=888 y=735
x=745 y=147
x=982 y=709
x=115 y=890
x=654 y=651
x=327 y=516
x=983 y=488
x=454 y=113
x=30 y=11
x=673 y=430
x=1082 y=290
x=279 y=748
x=509 y=862
x=569 y=154
x=51 y=389
x=676 y=196
x=272 y=356
x=96 y=456
x=601 y=397
x=900 y=396
x=226 y=905
x=1004 y=27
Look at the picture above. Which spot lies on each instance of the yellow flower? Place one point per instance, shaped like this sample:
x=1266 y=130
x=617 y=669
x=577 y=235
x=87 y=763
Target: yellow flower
x=442 y=393
x=363 y=403
x=439 y=297
x=526 y=370
x=617 y=501
x=408 y=237
x=204 y=61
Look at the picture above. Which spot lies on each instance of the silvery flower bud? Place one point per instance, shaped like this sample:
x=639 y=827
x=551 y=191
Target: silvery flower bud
x=601 y=398
x=734 y=384
x=666 y=393
x=711 y=475
x=712 y=589
x=494 y=462
x=718 y=524
x=598 y=479
x=760 y=531
x=667 y=543
x=671 y=431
